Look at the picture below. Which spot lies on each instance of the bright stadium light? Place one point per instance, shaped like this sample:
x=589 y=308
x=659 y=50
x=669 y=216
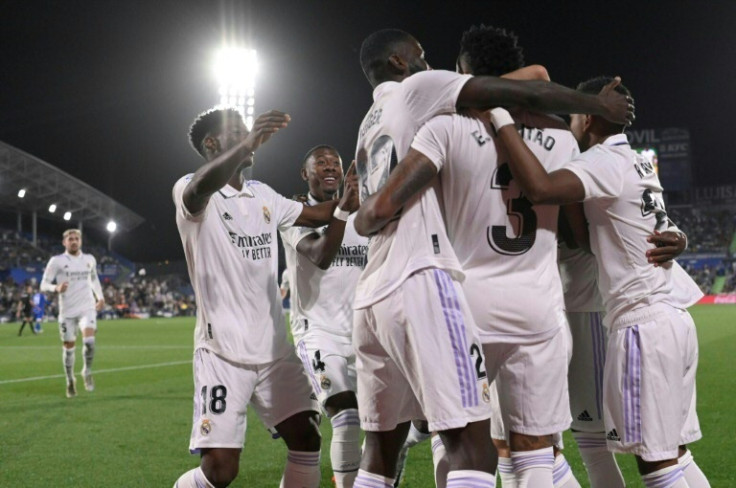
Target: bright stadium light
x=236 y=70
x=67 y=215
x=21 y=193
x=111 y=226
x=52 y=208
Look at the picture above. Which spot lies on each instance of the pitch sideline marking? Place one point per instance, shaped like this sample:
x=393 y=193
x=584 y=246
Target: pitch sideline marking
x=99 y=371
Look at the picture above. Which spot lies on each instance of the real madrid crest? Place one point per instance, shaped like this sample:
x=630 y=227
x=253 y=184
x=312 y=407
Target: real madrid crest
x=324 y=382
x=266 y=215
x=486 y=393
x=206 y=427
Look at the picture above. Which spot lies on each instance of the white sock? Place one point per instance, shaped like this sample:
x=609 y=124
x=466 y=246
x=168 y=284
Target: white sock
x=88 y=353
x=694 y=476
x=345 y=447
x=440 y=462
x=302 y=470
x=600 y=463
x=465 y=478
x=68 y=359
x=193 y=479
x=562 y=475
x=371 y=480
x=506 y=471
x=533 y=469
x=669 y=477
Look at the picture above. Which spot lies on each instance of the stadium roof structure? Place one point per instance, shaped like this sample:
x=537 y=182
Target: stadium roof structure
x=45 y=185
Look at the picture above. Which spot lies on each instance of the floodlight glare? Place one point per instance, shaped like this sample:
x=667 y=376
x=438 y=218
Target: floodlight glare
x=67 y=215
x=111 y=226
x=21 y=193
x=236 y=70
x=52 y=208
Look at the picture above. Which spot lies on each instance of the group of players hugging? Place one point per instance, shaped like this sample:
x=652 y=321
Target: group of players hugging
x=488 y=277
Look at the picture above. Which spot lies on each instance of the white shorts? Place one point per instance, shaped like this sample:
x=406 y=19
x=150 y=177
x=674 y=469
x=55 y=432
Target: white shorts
x=585 y=377
x=418 y=356
x=649 y=378
x=223 y=389
x=329 y=361
x=532 y=385
x=70 y=326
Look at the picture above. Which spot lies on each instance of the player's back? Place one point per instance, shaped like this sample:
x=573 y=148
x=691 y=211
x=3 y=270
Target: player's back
x=624 y=206
x=506 y=246
x=418 y=239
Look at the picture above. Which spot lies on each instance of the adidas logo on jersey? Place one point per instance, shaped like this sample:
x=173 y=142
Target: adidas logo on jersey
x=613 y=435
x=585 y=416
x=227 y=216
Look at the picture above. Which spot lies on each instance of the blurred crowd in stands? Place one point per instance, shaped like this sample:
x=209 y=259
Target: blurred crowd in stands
x=711 y=232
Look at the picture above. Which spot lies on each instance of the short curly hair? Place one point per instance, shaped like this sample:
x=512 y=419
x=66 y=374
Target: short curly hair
x=491 y=51
x=208 y=122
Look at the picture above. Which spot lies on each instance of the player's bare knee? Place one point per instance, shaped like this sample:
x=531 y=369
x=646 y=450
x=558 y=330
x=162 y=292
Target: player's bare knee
x=339 y=402
x=470 y=447
x=382 y=450
x=523 y=442
x=646 y=467
x=220 y=466
x=301 y=431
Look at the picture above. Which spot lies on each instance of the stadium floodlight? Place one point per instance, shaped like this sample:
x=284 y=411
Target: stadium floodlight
x=236 y=70
x=21 y=193
x=111 y=226
x=52 y=208
x=67 y=215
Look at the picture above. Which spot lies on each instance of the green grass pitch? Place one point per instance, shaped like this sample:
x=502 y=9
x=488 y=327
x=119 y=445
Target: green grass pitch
x=133 y=431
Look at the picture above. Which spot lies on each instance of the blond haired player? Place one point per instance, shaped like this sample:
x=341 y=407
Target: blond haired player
x=73 y=275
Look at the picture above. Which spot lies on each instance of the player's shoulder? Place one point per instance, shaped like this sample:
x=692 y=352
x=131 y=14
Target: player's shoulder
x=431 y=78
x=260 y=188
x=538 y=120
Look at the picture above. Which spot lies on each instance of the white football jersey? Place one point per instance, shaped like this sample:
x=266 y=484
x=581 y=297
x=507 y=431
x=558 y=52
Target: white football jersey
x=579 y=273
x=418 y=239
x=624 y=206
x=232 y=257
x=323 y=299
x=506 y=246
x=84 y=289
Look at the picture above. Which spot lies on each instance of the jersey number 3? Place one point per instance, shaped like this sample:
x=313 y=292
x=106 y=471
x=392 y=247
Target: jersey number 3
x=519 y=208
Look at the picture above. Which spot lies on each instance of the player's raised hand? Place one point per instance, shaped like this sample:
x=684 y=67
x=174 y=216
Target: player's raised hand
x=350 y=200
x=266 y=125
x=620 y=107
x=668 y=244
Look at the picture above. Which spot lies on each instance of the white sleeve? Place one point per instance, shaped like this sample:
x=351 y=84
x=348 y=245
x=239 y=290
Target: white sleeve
x=600 y=174
x=433 y=139
x=96 y=285
x=49 y=275
x=433 y=92
x=285 y=211
x=177 y=194
x=292 y=235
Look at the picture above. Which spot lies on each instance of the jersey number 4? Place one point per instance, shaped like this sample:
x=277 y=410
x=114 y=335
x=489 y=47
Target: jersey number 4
x=519 y=208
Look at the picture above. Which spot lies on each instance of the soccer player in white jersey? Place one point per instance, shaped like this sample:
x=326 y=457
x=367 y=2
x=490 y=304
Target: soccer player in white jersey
x=326 y=265
x=416 y=345
x=242 y=357
x=73 y=275
x=649 y=374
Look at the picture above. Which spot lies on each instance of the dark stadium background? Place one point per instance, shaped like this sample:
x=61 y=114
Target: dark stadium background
x=106 y=90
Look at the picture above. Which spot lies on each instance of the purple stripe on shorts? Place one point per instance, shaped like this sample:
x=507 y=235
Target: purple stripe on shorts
x=458 y=314
x=304 y=356
x=599 y=356
x=632 y=387
x=454 y=330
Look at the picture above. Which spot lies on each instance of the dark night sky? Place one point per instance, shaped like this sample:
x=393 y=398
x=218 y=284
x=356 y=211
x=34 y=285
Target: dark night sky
x=106 y=90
